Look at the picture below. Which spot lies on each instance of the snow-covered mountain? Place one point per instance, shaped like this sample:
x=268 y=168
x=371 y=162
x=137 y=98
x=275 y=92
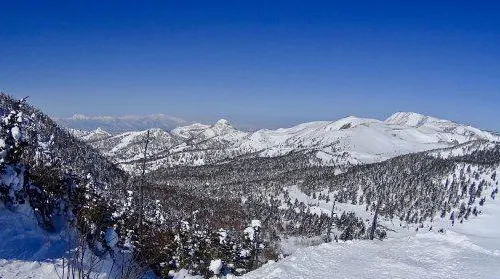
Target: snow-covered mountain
x=121 y=124
x=431 y=123
x=347 y=141
x=436 y=209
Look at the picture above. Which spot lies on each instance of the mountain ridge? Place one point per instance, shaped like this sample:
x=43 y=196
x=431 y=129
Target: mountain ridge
x=349 y=140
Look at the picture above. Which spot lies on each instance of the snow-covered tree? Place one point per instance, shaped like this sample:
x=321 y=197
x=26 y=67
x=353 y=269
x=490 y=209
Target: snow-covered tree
x=12 y=144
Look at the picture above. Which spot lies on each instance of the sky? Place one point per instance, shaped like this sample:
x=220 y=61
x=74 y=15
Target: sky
x=256 y=63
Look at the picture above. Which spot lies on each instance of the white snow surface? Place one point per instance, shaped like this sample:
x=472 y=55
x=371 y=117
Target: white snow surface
x=423 y=255
x=215 y=266
x=26 y=250
x=256 y=224
x=468 y=250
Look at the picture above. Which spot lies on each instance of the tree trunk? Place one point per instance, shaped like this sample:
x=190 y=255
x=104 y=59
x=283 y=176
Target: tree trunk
x=330 y=224
x=374 y=224
x=143 y=181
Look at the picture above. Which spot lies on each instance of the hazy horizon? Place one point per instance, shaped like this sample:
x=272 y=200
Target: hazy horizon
x=239 y=124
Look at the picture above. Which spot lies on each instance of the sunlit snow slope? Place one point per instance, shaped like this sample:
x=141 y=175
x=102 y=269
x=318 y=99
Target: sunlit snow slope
x=468 y=250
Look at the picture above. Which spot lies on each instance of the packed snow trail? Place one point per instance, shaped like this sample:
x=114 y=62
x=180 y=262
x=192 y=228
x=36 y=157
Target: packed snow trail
x=469 y=250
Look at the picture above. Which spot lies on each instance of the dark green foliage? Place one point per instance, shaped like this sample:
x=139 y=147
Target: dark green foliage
x=351 y=226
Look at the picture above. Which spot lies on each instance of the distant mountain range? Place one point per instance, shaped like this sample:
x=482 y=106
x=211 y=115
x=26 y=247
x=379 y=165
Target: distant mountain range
x=121 y=124
x=345 y=142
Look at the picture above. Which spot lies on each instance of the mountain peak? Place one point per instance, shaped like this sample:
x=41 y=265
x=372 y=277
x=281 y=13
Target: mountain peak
x=411 y=119
x=222 y=122
x=100 y=130
x=97 y=134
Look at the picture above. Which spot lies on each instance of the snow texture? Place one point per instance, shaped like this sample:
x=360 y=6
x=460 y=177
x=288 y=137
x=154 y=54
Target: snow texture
x=256 y=224
x=468 y=250
x=215 y=266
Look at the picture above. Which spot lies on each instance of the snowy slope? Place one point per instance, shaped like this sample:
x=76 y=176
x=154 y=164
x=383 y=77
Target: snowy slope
x=23 y=240
x=465 y=250
x=463 y=149
x=350 y=140
x=427 y=123
x=26 y=250
x=422 y=255
x=95 y=135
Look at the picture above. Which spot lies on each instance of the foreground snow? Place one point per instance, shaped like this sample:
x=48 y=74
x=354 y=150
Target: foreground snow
x=424 y=255
x=27 y=251
x=469 y=250
x=27 y=269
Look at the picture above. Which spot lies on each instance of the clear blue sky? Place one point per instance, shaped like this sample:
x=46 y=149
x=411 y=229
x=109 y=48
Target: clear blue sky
x=256 y=63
